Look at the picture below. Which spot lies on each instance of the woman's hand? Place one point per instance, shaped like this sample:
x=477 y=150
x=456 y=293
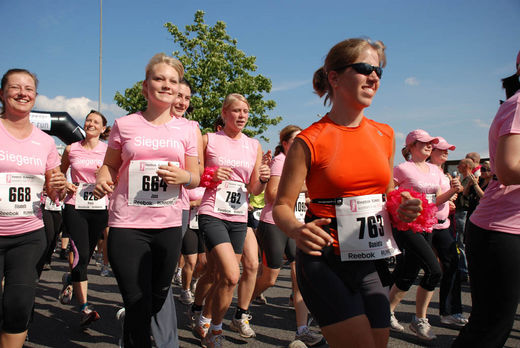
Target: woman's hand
x=71 y=188
x=103 y=187
x=410 y=208
x=222 y=174
x=264 y=172
x=455 y=183
x=57 y=181
x=173 y=175
x=311 y=238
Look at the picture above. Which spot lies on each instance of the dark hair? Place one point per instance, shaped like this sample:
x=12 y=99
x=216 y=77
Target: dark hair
x=343 y=53
x=15 y=71
x=511 y=84
x=219 y=122
x=285 y=134
x=106 y=133
x=185 y=82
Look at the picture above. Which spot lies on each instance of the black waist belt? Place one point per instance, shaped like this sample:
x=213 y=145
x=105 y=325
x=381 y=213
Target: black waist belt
x=336 y=201
x=440 y=222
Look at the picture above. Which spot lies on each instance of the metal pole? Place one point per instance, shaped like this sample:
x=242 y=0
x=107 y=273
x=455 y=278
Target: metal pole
x=100 y=50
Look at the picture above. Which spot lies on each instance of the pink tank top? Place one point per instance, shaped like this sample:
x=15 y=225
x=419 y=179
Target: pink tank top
x=34 y=155
x=276 y=170
x=193 y=127
x=83 y=165
x=140 y=140
x=237 y=154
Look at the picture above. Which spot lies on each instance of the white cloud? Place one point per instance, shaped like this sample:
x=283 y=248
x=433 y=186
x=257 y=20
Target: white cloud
x=285 y=86
x=411 y=81
x=78 y=108
x=481 y=124
x=399 y=136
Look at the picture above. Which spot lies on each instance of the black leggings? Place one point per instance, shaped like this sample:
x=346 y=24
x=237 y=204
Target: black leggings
x=19 y=255
x=143 y=261
x=494 y=269
x=274 y=244
x=52 y=221
x=450 y=293
x=416 y=253
x=85 y=228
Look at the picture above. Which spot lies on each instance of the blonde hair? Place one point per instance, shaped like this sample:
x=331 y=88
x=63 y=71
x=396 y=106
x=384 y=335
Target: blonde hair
x=163 y=58
x=343 y=53
x=231 y=98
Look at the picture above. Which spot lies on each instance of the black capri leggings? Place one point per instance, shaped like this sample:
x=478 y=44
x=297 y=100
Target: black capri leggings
x=416 y=253
x=274 y=244
x=19 y=256
x=52 y=222
x=85 y=228
x=143 y=261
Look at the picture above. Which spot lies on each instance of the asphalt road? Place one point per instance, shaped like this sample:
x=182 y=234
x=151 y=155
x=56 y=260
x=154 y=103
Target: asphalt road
x=56 y=325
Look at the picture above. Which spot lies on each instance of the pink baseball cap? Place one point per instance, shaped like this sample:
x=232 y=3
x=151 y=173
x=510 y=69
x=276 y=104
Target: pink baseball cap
x=420 y=135
x=443 y=145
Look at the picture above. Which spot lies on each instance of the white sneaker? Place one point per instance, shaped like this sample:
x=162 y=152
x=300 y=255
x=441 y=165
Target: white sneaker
x=177 y=278
x=105 y=271
x=212 y=340
x=454 y=319
x=310 y=338
x=394 y=324
x=422 y=329
x=242 y=326
x=186 y=297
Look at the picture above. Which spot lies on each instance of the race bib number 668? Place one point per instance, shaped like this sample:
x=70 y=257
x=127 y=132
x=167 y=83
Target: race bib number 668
x=20 y=194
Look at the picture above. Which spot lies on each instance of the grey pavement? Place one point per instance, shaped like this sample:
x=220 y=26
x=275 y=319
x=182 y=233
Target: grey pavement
x=56 y=325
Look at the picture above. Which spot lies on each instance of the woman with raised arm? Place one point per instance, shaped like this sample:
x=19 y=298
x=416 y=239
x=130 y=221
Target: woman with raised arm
x=346 y=161
x=28 y=162
x=150 y=154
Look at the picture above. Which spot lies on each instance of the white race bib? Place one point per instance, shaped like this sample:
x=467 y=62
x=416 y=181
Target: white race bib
x=300 y=208
x=231 y=198
x=364 y=231
x=85 y=198
x=51 y=206
x=194 y=218
x=146 y=188
x=20 y=194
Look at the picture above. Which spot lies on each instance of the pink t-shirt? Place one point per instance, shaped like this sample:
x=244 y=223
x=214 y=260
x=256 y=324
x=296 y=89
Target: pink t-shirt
x=444 y=209
x=138 y=139
x=83 y=165
x=196 y=193
x=408 y=175
x=35 y=155
x=276 y=170
x=237 y=154
x=499 y=209
x=193 y=127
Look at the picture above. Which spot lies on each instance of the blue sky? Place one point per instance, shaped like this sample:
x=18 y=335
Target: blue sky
x=445 y=57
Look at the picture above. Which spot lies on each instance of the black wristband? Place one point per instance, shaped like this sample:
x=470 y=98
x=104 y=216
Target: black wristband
x=263 y=182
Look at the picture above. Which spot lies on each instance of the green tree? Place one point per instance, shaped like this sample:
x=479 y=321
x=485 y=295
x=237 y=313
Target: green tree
x=215 y=68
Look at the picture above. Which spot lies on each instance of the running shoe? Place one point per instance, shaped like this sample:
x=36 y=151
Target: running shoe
x=422 y=329
x=394 y=324
x=88 y=316
x=66 y=292
x=193 y=317
x=309 y=337
x=120 y=316
x=454 y=319
x=260 y=299
x=177 y=278
x=186 y=297
x=99 y=259
x=105 y=271
x=242 y=326
x=213 y=340
x=200 y=330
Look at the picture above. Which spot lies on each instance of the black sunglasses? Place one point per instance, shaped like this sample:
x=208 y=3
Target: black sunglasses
x=364 y=69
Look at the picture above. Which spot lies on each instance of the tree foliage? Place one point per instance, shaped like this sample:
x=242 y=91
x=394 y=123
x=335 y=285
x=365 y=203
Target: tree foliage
x=215 y=67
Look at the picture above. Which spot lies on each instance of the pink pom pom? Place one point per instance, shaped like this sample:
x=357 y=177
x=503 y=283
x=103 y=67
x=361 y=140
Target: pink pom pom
x=207 y=178
x=424 y=222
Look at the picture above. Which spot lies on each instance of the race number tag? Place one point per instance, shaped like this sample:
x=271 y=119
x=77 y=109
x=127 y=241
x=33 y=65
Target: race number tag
x=20 y=194
x=85 y=198
x=231 y=198
x=146 y=188
x=431 y=197
x=364 y=231
x=194 y=218
x=300 y=208
x=51 y=206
